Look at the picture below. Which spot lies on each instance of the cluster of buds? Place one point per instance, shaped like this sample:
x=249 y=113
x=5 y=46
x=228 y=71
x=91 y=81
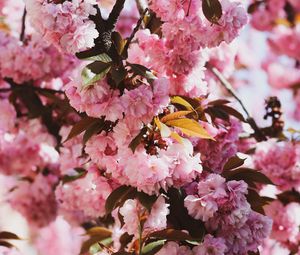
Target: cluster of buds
x=153 y=141
x=273 y=110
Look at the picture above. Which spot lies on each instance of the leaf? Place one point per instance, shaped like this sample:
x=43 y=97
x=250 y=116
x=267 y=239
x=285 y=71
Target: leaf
x=163 y=128
x=125 y=239
x=96 y=234
x=6 y=244
x=80 y=172
x=137 y=140
x=89 y=78
x=248 y=175
x=179 y=217
x=218 y=102
x=181 y=101
x=153 y=247
x=146 y=200
x=172 y=235
x=175 y=115
x=118 y=75
x=233 y=112
x=8 y=235
x=190 y=128
x=80 y=126
x=289 y=197
x=142 y=70
x=98 y=67
x=212 y=10
x=256 y=201
x=153 y=23
x=93 y=129
x=119 y=42
x=233 y=162
x=119 y=196
x=101 y=57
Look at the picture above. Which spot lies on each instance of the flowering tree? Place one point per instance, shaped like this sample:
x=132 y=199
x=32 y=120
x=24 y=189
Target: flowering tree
x=121 y=130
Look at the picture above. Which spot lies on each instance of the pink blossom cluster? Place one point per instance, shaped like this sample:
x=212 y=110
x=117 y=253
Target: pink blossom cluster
x=224 y=208
x=214 y=154
x=83 y=199
x=280 y=162
x=35 y=199
x=65 y=25
x=31 y=60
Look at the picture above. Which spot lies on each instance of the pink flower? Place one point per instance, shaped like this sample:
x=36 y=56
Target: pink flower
x=174 y=249
x=59 y=238
x=280 y=162
x=84 y=199
x=210 y=245
x=36 y=200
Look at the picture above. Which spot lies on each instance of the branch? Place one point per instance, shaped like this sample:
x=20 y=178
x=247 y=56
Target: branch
x=141 y=6
x=114 y=15
x=129 y=40
x=259 y=136
x=22 y=35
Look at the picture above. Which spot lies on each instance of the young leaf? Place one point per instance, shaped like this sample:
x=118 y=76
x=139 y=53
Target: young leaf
x=98 y=67
x=119 y=196
x=8 y=235
x=96 y=234
x=137 y=140
x=172 y=235
x=146 y=200
x=142 y=70
x=93 y=129
x=175 y=115
x=233 y=162
x=5 y=244
x=118 y=75
x=101 y=57
x=181 y=101
x=190 y=128
x=248 y=175
x=212 y=10
x=80 y=126
x=153 y=247
x=80 y=172
x=89 y=78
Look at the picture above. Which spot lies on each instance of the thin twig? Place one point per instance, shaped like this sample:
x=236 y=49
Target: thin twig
x=257 y=131
x=140 y=6
x=137 y=27
x=22 y=35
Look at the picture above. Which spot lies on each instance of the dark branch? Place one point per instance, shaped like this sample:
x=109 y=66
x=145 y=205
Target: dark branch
x=115 y=13
x=22 y=35
x=129 y=40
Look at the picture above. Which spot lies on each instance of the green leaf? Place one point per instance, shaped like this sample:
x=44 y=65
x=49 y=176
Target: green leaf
x=89 y=78
x=233 y=162
x=8 y=235
x=80 y=172
x=248 y=175
x=142 y=70
x=93 y=129
x=81 y=126
x=118 y=197
x=172 y=235
x=101 y=57
x=137 y=140
x=153 y=248
x=212 y=10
